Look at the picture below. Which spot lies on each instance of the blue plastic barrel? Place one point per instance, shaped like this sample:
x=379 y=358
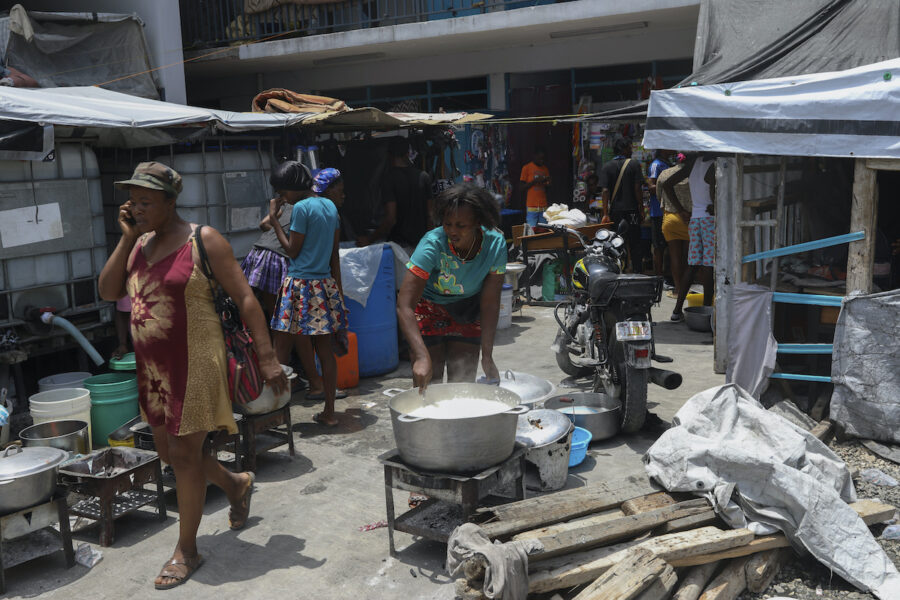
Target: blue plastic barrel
x=375 y=325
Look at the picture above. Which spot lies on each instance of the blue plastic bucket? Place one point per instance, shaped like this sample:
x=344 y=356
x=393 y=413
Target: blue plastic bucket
x=580 y=439
x=375 y=325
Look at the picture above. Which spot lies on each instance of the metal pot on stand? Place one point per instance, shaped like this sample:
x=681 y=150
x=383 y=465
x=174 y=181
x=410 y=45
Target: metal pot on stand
x=442 y=430
x=548 y=436
x=28 y=476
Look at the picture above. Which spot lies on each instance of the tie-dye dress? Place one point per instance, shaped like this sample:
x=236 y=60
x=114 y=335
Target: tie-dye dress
x=178 y=344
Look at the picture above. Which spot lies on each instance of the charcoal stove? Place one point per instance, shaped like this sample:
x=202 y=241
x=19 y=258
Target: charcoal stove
x=113 y=480
x=452 y=497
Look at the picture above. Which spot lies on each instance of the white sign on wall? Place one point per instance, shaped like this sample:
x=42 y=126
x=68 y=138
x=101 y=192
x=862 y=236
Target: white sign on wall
x=30 y=224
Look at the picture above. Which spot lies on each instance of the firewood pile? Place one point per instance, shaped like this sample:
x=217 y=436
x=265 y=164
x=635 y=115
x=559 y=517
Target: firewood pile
x=625 y=539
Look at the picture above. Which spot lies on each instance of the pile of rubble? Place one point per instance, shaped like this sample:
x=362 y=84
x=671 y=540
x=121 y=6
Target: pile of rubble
x=624 y=540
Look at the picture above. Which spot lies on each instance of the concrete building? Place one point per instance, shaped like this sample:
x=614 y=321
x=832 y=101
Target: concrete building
x=451 y=54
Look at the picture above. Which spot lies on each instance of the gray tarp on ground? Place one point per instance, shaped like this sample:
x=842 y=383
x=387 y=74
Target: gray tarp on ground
x=760 y=470
x=751 y=346
x=865 y=367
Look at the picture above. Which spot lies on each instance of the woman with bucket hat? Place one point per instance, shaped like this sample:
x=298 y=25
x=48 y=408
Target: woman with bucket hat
x=179 y=346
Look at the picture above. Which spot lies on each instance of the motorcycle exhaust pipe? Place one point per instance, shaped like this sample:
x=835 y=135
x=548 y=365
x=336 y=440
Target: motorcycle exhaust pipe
x=664 y=378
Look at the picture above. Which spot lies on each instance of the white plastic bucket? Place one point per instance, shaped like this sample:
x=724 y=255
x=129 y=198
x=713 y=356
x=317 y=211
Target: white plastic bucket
x=506 y=300
x=60 y=405
x=62 y=381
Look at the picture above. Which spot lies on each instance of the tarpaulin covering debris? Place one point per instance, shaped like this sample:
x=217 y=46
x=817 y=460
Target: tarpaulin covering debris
x=865 y=367
x=762 y=472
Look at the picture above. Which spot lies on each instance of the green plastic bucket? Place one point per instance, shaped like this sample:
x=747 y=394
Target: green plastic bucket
x=114 y=400
x=126 y=363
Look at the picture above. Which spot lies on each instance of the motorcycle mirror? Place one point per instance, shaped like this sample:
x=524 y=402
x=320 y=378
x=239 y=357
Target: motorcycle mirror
x=623 y=227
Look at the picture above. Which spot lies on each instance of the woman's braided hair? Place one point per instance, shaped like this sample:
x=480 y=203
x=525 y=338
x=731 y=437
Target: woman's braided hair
x=478 y=199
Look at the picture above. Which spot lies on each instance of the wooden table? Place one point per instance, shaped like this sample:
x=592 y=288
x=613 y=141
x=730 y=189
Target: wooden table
x=565 y=246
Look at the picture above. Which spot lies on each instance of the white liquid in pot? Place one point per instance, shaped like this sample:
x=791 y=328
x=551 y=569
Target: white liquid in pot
x=459 y=408
x=580 y=410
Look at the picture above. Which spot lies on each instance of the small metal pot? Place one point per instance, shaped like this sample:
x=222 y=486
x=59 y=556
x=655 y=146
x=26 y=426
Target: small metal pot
x=602 y=424
x=71 y=436
x=28 y=476
x=452 y=443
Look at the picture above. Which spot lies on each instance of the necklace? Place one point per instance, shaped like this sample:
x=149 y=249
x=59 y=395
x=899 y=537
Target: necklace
x=468 y=255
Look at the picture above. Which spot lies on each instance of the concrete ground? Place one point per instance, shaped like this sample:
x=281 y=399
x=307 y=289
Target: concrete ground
x=303 y=538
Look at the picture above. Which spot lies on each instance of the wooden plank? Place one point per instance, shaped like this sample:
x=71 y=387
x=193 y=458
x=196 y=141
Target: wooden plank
x=583 y=567
x=630 y=577
x=569 y=525
x=695 y=581
x=883 y=164
x=647 y=503
x=863 y=214
x=592 y=535
x=824 y=431
x=870 y=511
x=764 y=566
x=728 y=584
x=661 y=588
x=562 y=506
x=703 y=519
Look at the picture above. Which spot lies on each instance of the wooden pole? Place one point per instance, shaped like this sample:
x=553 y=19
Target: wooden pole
x=863 y=215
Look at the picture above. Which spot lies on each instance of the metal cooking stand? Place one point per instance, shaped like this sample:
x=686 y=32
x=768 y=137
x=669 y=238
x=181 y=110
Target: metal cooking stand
x=31 y=520
x=457 y=489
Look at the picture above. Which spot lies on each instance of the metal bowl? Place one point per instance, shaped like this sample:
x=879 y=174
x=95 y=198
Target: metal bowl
x=603 y=424
x=699 y=318
x=70 y=435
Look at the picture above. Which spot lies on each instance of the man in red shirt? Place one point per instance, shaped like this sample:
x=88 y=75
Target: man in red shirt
x=535 y=178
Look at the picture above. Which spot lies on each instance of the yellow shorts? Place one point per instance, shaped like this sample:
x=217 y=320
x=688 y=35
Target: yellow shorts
x=673 y=228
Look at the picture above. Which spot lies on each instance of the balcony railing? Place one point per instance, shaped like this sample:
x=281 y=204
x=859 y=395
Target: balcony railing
x=211 y=23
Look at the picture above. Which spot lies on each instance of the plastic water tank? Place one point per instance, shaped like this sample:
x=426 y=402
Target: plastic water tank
x=375 y=325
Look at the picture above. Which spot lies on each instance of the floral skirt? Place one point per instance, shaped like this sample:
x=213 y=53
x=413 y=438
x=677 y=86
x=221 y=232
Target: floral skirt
x=265 y=270
x=309 y=307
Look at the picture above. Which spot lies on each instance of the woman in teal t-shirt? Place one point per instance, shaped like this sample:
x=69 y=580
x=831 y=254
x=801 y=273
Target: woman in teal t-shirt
x=449 y=302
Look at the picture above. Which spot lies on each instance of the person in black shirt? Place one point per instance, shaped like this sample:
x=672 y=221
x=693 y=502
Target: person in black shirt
x=406 y=197
x=623 y=201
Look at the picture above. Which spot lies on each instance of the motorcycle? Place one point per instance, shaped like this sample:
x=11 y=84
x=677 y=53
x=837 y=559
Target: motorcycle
x=606 y=329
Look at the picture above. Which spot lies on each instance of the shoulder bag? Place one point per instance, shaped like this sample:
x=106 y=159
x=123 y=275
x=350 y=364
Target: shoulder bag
x=245 y=381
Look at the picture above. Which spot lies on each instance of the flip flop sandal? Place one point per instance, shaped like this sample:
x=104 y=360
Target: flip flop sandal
x=338 y=395
x=179 y=570
x=237 y=518
x=318 y=419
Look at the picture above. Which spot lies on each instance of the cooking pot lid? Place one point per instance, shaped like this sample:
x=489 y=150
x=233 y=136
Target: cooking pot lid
x=529 y=387
x=17 y=462
x=541 y=426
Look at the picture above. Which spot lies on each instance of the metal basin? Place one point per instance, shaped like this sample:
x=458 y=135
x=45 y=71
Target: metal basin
x=531 y=389
x=598 y=413
x=455 y=437
x=70 y=435
x=699 y=318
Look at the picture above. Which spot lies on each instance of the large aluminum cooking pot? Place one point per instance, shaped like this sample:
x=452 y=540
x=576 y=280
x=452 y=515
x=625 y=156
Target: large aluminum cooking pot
x=69 y=435
x=596 y=412
x=458 y=434
x=28 y=476
x=531 y=389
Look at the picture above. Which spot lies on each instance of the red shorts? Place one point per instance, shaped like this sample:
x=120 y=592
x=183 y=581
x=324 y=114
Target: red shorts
x=435 y=322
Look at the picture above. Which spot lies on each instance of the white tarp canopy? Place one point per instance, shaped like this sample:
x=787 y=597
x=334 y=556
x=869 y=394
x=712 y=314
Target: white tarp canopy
x=852 y=113
x=124 y=120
